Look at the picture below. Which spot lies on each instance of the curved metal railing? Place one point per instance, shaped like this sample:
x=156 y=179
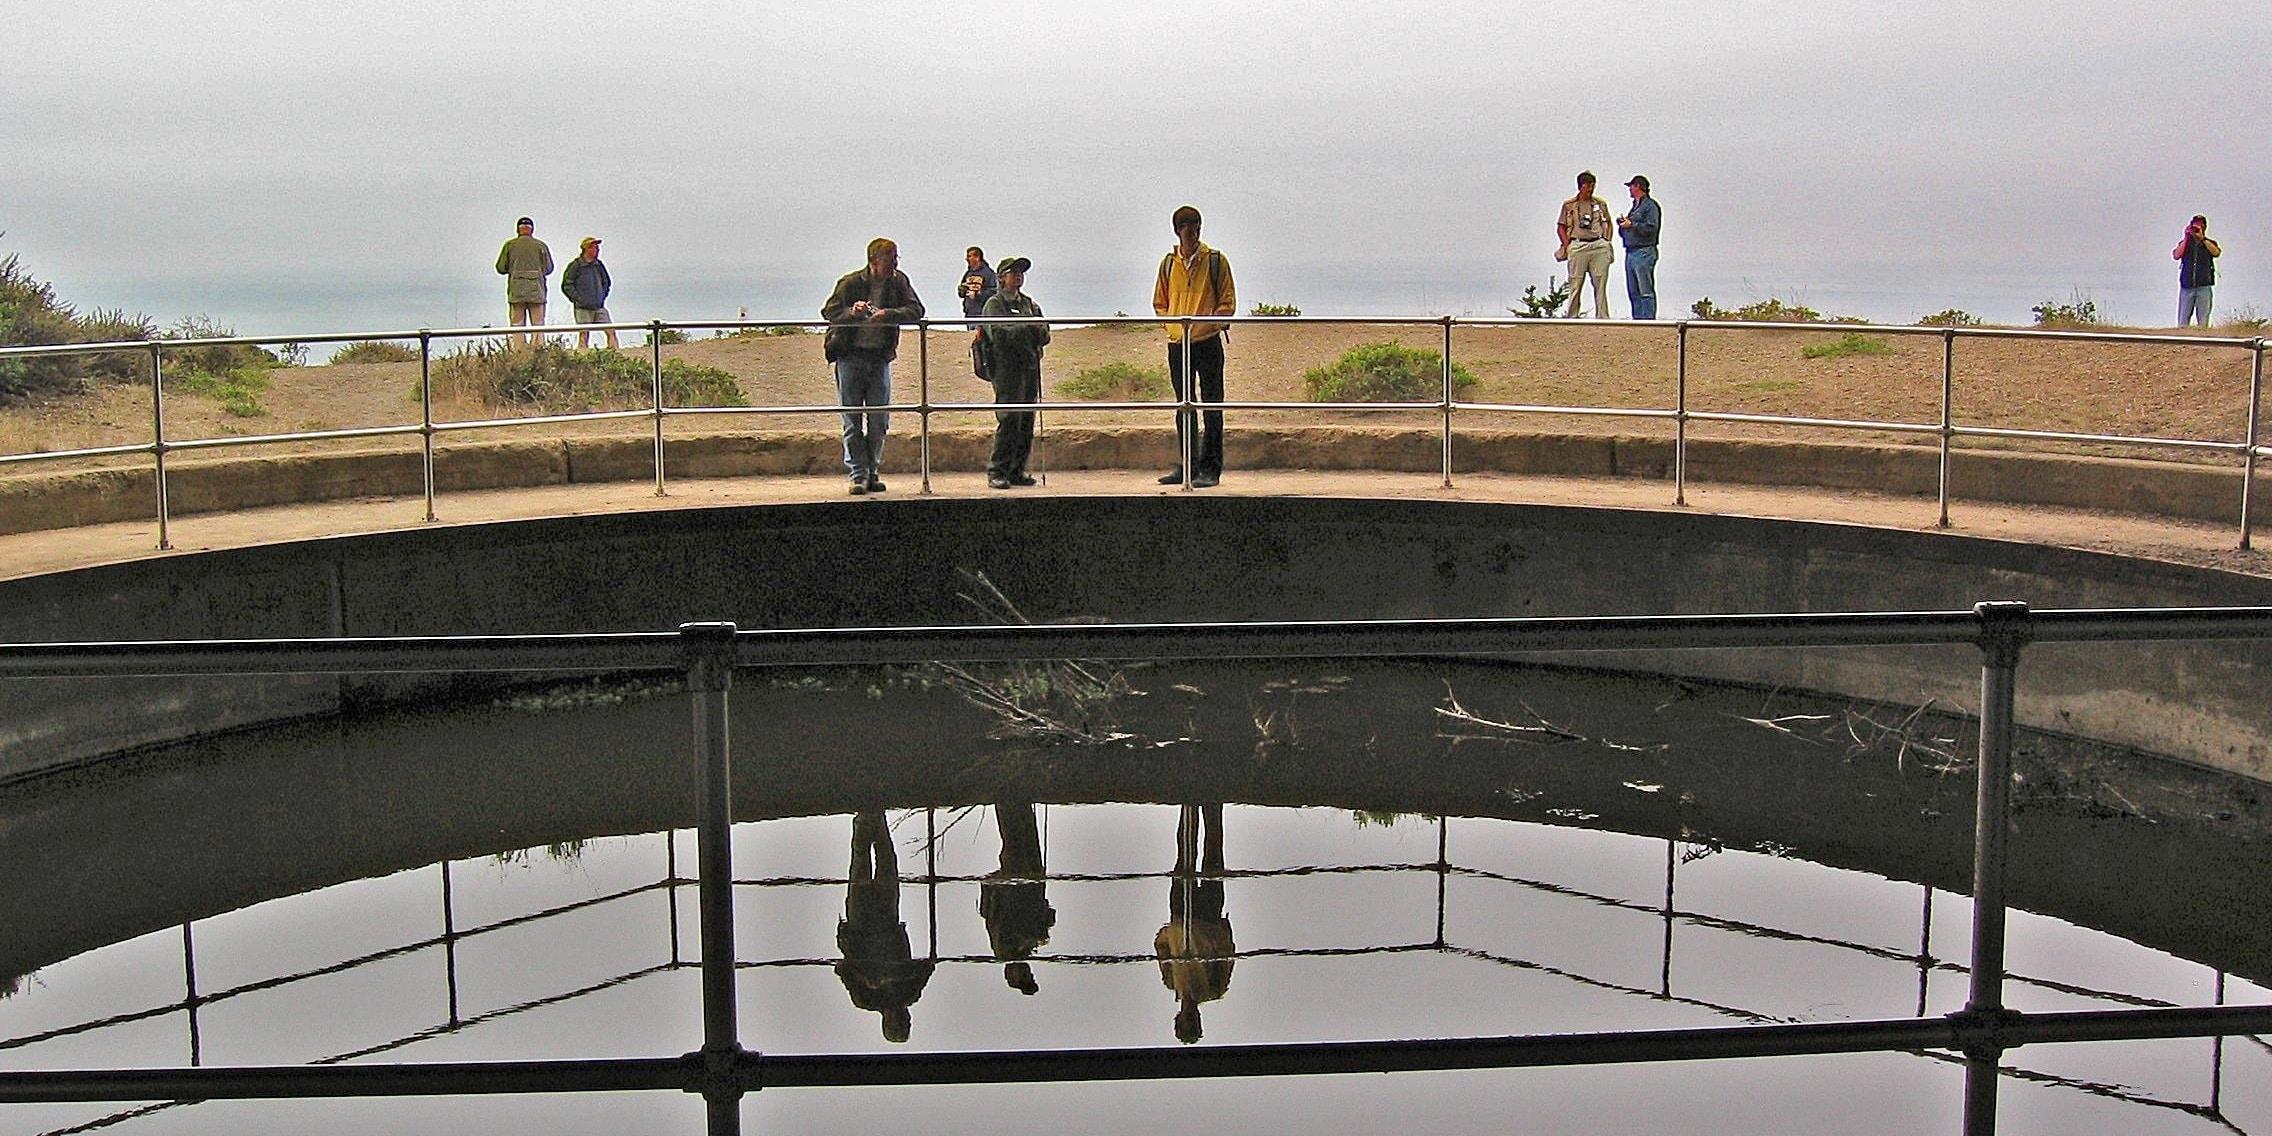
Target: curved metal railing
x=2245 y=450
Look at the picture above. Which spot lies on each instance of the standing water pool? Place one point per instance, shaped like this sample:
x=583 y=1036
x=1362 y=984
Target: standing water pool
x=1187 y=854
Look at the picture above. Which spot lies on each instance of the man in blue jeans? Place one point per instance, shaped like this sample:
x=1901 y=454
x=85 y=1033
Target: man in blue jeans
x=1639 y=230
x=865 y=312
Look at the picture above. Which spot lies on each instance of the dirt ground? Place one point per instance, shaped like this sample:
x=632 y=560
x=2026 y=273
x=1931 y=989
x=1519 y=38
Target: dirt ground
x=2158 y=390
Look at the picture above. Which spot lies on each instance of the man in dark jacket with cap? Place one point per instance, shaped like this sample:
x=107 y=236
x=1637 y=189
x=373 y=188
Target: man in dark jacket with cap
x=586 y=283
x=1013 y=362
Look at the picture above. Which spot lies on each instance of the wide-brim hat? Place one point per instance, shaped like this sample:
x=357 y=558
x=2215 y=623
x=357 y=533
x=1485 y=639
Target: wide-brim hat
x=1013 y=264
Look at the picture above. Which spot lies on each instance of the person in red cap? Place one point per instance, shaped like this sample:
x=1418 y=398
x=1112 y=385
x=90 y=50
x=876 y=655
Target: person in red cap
x=2196 y=256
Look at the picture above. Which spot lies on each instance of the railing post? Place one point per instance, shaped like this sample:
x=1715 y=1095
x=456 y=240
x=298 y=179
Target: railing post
x=191 y=999
x=450 y=943
x=158 y=439
x=2003 y=633
x=709 y=680
x=923 y=398
x=1948 y=415
x=1187 y=418
x=1448 y=401
x=426 y=415
x=1680 y=414
x=2248 y=463
x=655 y=346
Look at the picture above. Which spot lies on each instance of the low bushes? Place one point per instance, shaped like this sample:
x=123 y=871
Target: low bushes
x=1383 y=372
x=1770 y=310
x=559 y=380
x=1119 y=382
x=375 y=351
x=31 y=316
x=1847 y=345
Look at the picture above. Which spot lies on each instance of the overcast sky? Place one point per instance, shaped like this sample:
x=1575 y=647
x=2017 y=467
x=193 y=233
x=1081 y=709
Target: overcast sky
x=291 y=167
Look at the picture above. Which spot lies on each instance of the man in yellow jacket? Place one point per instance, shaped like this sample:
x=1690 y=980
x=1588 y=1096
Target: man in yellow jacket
x=1195 y=280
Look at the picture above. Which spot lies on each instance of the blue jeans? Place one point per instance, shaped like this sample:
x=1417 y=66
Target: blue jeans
x=1641 y=281
x=863 y=378
x=2193 y=304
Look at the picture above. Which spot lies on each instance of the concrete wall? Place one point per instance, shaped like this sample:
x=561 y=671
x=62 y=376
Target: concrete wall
x=890 y=562
x=35 y=502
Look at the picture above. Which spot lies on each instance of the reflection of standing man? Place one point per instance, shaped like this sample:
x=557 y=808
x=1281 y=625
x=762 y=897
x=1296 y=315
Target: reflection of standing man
x=1014 y=898
x=1195 y=280
x=1013 y=362
x=2197 y=257
x=1639 y=228
x=1584 y=230
x=586 y=284
x=524 y=262
x=879 y=971
x=1194 y=946
x=867 y=308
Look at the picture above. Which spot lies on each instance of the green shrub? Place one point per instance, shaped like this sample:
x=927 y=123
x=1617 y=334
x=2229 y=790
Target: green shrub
x=2247 y=320
x=2078 y=311
x=1846 y=345
x=1119 y=382
x=31 y=315
x=1274 y=310
x=1950 y=317
x=238 y=391
x=1536 y=306
x=1769 y=310
x=560 y=380
x=233 y=374
x=375 y=351
x=210 y=359
x=1383 y=372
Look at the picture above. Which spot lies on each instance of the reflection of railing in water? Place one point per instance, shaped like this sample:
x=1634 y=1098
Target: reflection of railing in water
x=1945 y=430
x=723 y=1071
x=930 y=880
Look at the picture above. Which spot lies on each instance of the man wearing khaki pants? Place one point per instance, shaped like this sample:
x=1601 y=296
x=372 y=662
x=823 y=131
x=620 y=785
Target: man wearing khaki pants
x=1584 y=229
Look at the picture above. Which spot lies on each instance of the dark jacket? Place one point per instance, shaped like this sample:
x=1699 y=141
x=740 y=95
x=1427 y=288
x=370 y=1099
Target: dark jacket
x=974 y=304
x=1648 y=221
x=894 y=297
x=585 y=283
x=1012 y=347
x=2198 y=267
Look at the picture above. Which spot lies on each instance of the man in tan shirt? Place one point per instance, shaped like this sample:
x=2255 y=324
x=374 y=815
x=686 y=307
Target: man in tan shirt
x=1584 y=229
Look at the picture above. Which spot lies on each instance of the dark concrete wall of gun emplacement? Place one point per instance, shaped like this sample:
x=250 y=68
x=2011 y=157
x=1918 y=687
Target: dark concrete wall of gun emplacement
x=1148 y=558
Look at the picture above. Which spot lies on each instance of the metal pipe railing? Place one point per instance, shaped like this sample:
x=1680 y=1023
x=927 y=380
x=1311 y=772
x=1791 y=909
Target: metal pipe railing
x=633 y=651
x=1187 y=406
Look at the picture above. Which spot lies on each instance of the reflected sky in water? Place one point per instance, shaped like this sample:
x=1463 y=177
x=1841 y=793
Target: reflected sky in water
x=1314 y=924
x=1668 y=878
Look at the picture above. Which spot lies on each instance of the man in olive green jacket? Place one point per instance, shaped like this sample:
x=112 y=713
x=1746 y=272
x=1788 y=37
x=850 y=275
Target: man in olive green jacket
x=524 y=262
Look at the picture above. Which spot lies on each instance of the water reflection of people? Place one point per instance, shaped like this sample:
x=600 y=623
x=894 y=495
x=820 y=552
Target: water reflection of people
x=879 y=971
x=1194 y=946
x=1014 y=898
